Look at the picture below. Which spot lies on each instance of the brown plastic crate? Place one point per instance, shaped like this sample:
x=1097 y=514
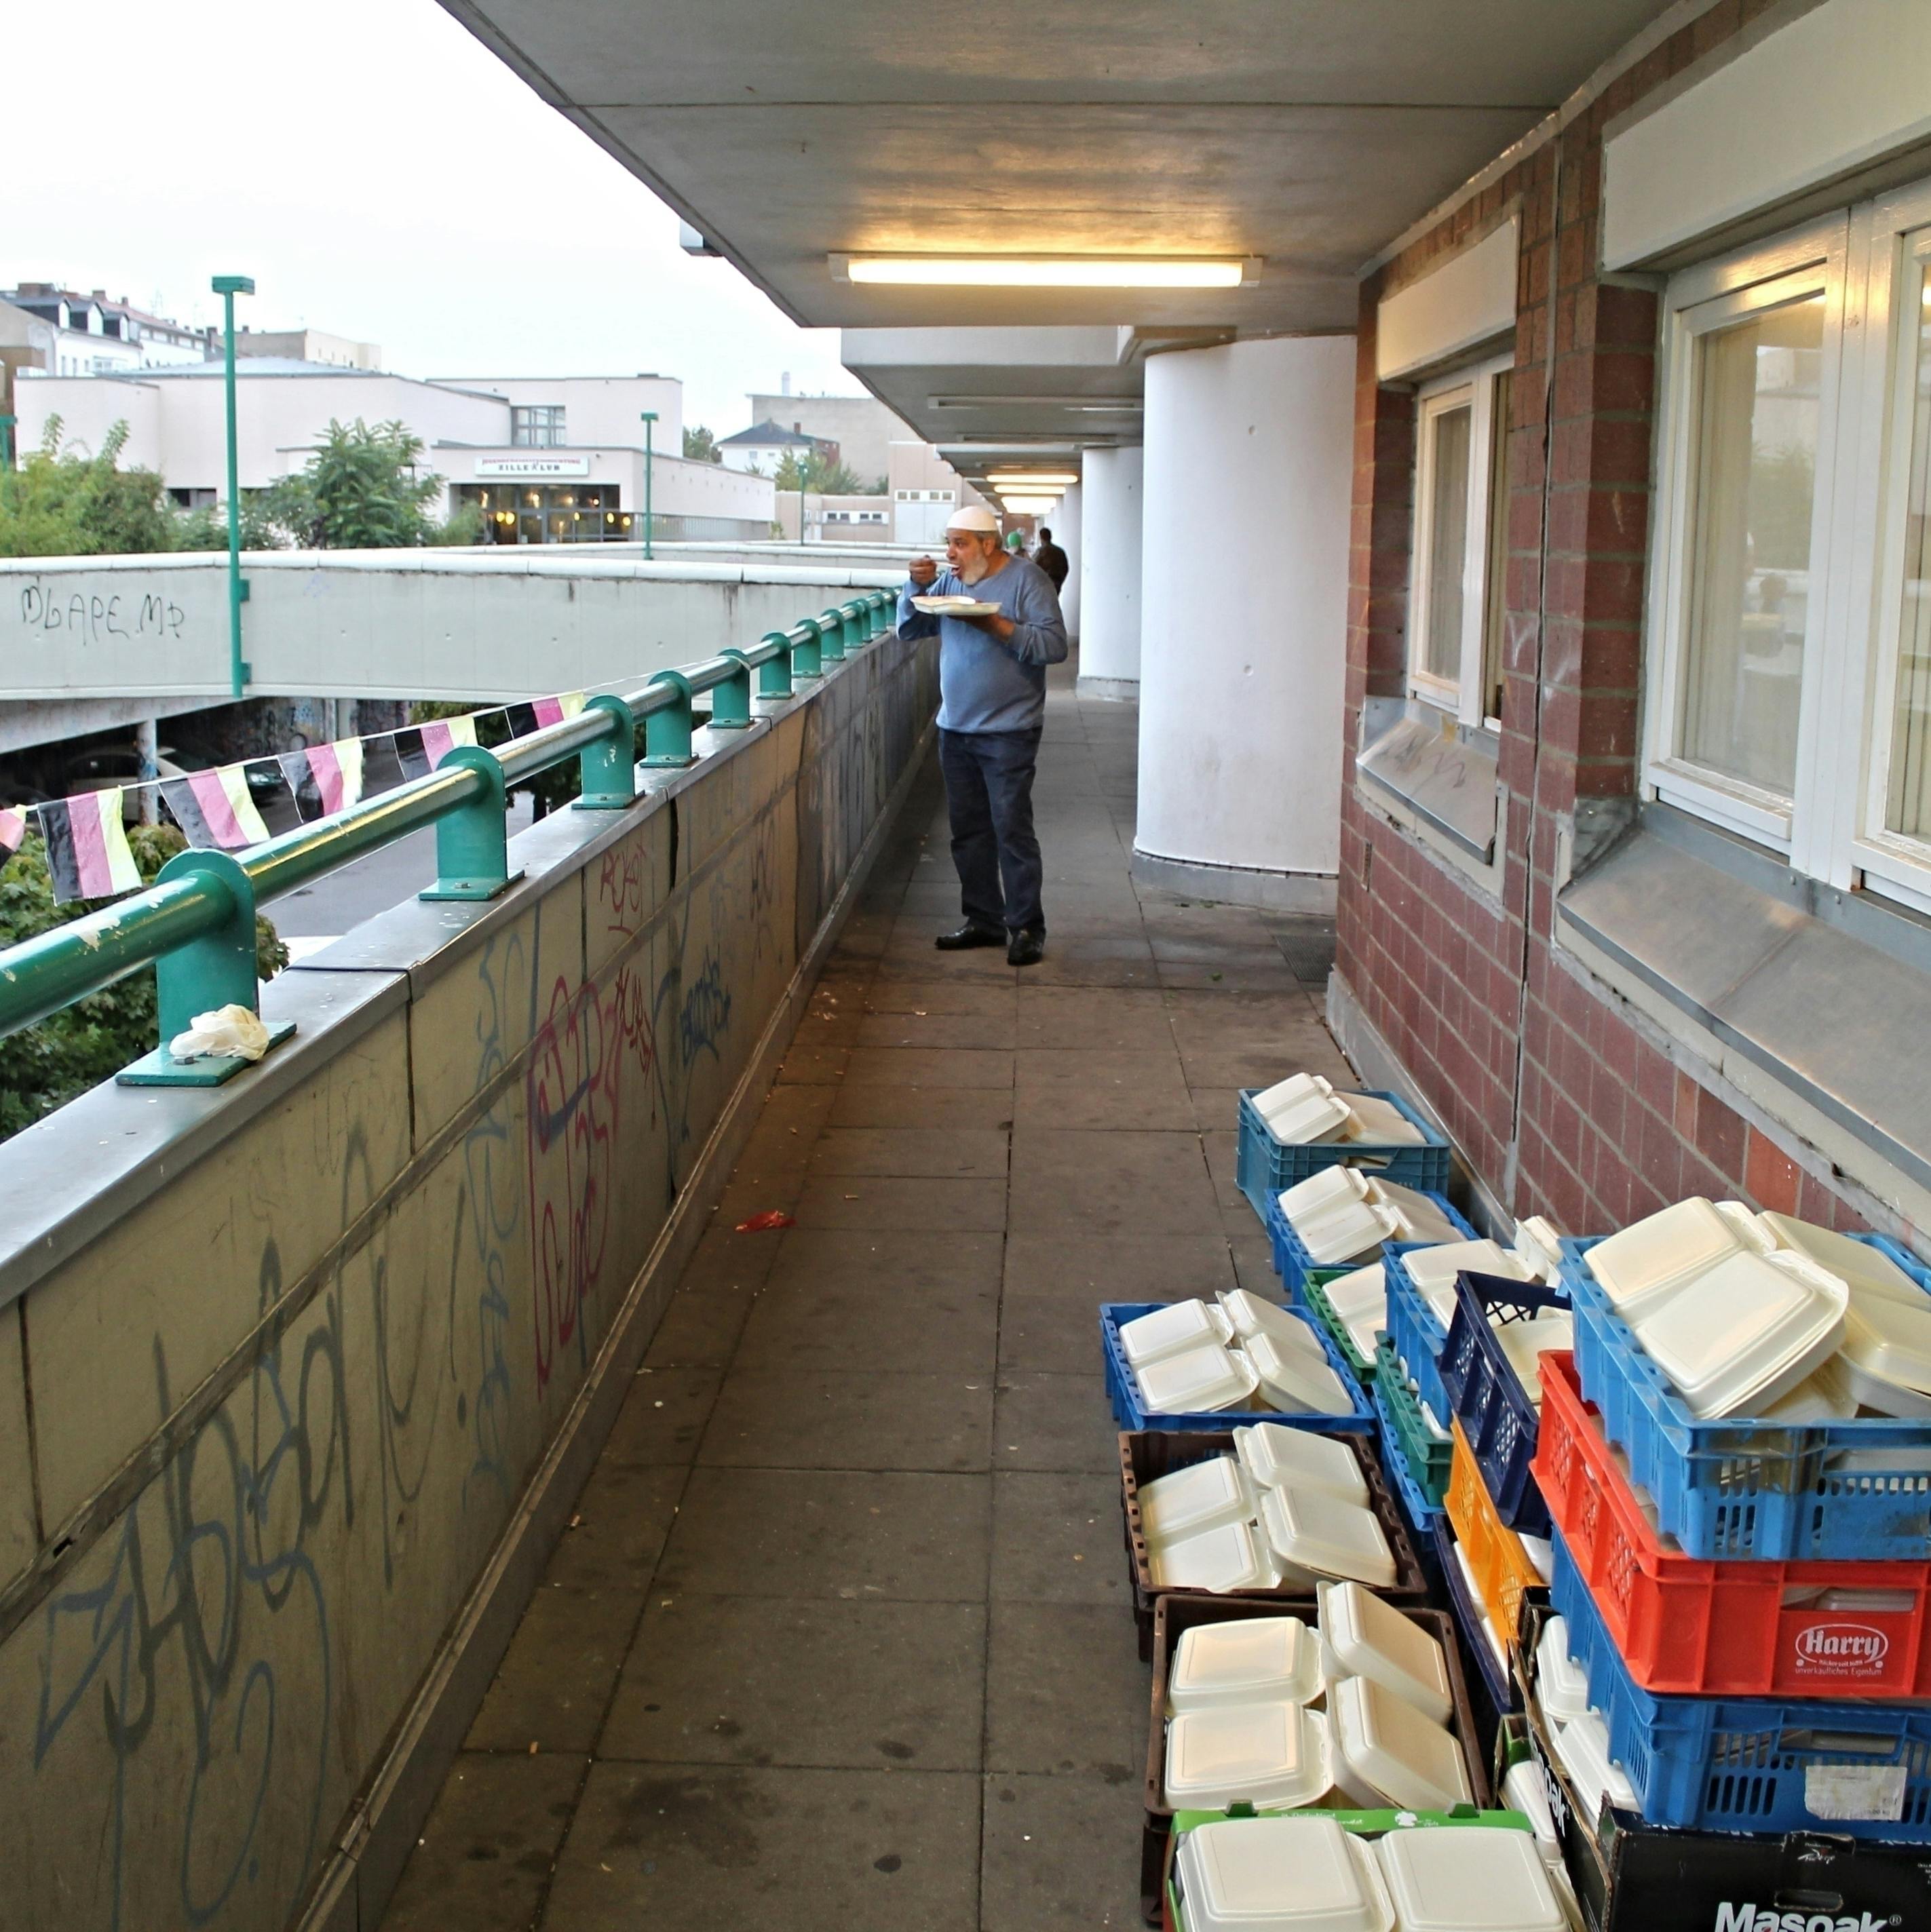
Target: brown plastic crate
x=1172 y=1617
x=1146 y=1455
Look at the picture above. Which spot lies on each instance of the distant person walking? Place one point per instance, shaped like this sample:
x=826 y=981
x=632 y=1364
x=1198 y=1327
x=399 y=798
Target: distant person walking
x=1052 y=559
x=991 y=710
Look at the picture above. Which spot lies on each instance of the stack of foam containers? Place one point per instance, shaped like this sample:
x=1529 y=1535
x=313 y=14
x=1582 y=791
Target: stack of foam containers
x=1735 y=1461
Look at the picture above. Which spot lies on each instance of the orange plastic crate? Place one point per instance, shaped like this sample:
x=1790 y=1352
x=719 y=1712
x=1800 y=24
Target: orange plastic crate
x=1503 y=1571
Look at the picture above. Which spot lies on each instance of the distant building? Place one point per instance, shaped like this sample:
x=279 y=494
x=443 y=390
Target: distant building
x=546 y=460
x=26 y=342
x=96 y=336
x=862 y=427
x=759 y=450
x=925 y=491
x=308 y=345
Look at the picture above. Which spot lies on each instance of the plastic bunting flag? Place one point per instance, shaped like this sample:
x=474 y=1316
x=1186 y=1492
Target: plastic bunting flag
x=87 y=853
x=441 y=737
x=13 y=830
x=214 y=810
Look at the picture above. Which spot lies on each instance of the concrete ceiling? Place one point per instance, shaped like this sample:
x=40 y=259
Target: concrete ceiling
x=1308 y=132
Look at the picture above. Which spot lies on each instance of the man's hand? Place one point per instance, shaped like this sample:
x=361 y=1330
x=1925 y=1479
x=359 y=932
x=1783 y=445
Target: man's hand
x=924 y=572
x=1001 y=628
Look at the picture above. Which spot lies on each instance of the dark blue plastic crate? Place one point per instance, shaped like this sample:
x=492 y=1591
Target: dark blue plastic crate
x=1123 y=1390
x=1291 y=1261
x=1733 y=1488
x=1264 y=1166
x=1741 y=1764
x=1496 y=1416
x=1499 y=1684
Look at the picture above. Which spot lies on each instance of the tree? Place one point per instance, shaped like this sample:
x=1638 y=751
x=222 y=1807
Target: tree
x=701 y=446
x=360 y=491
x=818 y=475
x=60 y=503
x=48 y=1065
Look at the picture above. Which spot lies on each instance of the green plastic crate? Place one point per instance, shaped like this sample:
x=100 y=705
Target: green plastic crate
x=1314 y=1296
x=1427 y=1456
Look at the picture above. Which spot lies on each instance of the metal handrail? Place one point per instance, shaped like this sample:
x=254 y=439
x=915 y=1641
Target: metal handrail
x=202 y=906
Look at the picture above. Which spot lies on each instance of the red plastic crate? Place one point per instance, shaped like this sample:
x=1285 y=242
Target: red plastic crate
x=1685 y=1624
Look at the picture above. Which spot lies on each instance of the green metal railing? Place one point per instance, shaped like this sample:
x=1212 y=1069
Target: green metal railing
x=196 y=924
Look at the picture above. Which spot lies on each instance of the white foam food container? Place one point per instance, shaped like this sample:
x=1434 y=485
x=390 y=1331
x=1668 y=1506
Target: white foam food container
x=1251 y=1316
x=1384 y=1748
x=1491 y=1635
x=1202 y=1380
x=1313 y=1118
x=1288 y=1093
x=1278 y=1458
x=1423 y=1219
x=1524 y=1790
x=1433 y=1271
x=1280 y=1875
x=1296 y=1384
x=1314 y=1535
x=1274 y=1757
x=1652 y=1257
x=1361 y=1293
x=1363 y=1636
x=1339 y=1239
x=1203 y=1496
x=1475 y=1878
x=1323 y=1192
x=1745 y=1331
x=1537 y=1246
x=1583 y=1744
x=1173 y=1330
x=1234 y=1557
x=1561 y=1687
x=1525 y=1343
x=1381 y=1123
x=1256 y=1661
x=1886 y=1360
x=1824 y=1395
x=1862 y=1266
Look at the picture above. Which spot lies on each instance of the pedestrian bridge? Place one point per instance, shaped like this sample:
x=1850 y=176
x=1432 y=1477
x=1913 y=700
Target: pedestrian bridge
x=87 y=642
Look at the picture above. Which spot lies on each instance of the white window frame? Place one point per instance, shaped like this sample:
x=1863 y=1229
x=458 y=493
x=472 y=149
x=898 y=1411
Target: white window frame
x=1873 y=262
x=1474 y=385
x=1699 y=302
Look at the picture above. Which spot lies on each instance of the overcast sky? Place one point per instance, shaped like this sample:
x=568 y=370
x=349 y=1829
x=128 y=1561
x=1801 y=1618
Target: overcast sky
x=380 y=175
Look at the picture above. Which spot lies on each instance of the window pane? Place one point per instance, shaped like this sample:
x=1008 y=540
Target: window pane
x=1448 y=543
x=1909 y=806
x=1494 y=603
x=1756 y=459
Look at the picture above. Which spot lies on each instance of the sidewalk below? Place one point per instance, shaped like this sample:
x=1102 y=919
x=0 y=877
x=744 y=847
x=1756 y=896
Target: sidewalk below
x=842 y=1637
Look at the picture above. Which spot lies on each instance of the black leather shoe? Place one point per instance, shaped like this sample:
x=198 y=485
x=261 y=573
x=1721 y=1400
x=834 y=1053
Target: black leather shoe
x=1028 y=947
x=969 y=934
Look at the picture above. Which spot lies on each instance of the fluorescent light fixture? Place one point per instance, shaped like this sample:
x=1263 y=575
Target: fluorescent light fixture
x=1027 y=506
x=1088 y=406
x=1055 y=479
x=1048 y=271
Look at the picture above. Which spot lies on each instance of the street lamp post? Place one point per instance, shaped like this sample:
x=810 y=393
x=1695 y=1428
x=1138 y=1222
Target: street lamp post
x=228 y=287
x=801 y=491
x=649 y=463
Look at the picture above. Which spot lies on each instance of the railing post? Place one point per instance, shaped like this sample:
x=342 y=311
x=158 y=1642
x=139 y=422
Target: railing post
x=807 y=658
x=774 y=674
x=217 y=969
x=831 y=631
x=885 y=606
x=609 y=767
x=731 y=701
x=667 y=733
x=472 y=841
x=858 y=620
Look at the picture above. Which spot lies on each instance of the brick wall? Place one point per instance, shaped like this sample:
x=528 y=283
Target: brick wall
x=1562 y=1099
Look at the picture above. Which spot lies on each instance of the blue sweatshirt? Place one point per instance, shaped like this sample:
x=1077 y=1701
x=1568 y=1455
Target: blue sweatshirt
x=984 y=684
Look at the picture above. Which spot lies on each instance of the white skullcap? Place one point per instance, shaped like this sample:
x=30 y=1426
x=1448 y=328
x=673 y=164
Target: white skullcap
x=972 y=517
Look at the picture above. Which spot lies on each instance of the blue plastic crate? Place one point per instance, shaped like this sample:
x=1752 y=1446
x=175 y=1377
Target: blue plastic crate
x=1501 y=1423
x=1123 y=1389
x=1418 y=1337
x=1742 y=1764
x=1292 y=1260
x=1420 y=1516
x=1499 y=1684
x=1733 y=1488
x=1264 y=1166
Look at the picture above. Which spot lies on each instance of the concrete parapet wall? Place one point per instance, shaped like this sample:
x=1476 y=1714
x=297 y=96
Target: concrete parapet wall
x=487 y=624
x=294 y=1374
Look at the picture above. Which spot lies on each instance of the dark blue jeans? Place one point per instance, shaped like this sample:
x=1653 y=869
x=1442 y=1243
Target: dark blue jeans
x=988 y=793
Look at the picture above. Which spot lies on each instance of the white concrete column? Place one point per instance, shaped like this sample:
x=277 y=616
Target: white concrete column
x=147 y=745
x=1249 y=453
x=1110 y=518
x=1064 y=523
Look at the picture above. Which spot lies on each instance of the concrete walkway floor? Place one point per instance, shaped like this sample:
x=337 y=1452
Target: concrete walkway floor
x=843 y=1638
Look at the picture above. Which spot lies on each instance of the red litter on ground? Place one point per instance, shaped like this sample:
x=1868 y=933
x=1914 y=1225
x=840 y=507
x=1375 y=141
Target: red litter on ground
x=759 y=1224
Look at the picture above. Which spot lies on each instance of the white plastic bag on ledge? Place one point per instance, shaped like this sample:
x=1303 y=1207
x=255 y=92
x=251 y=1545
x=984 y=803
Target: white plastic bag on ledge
x=228 y=1032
